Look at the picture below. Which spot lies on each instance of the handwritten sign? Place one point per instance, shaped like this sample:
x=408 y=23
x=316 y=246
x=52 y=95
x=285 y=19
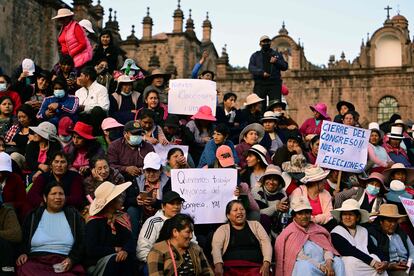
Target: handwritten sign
x=206 y=192
x=162 y=151
x=187 y=95
x=342 y=147
x=409 y=207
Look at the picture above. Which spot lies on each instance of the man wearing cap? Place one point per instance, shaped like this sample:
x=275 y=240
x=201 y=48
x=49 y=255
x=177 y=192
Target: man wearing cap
x=265 y=66
x=150 y=231
x=127 y=153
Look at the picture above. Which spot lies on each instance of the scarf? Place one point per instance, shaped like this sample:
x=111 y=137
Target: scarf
x=291 y=240
x=119 y=217
x=396 y=151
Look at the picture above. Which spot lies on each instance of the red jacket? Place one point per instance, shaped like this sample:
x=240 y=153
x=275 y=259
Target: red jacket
x=14 y=194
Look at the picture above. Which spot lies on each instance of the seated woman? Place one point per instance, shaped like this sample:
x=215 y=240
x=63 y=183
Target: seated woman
x=53 y=236
x=272 y=139
x=152 y=101
x=294 y=145
x=84 y=148
x=110 y=249
x=42 y=145
x=150 y=231
x=61 y=104
x=201 y=125
x=256 y=165
x=312 y=154
x=7 y=119
x=143 y=198
x=220 y=137
x=124 y=102
x=100 y=172
x=175 y=160
x=399 y=172
x=359 y=254
x=378 y=157
x=153 y=132
x=66 y=71
x=272 y=199
x=252 y=113
x=318 y=197
x=396 y=246
x=241 y=246
x=41 y=89
x=70 y=181
x=18 y=135
x=250 y=135
x=305 y=248
x=175 y=253
x=312 y=126
x=349 y=119
x=370 y=195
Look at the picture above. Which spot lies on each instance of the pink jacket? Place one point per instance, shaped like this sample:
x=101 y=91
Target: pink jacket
x=326 y=202
x=76 y=43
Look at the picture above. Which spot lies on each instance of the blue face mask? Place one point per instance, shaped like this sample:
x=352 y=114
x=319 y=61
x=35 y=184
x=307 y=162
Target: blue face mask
x=135 y=140
x=3 y=87
x=372 y=190
x=59 y=93
x=65 y=139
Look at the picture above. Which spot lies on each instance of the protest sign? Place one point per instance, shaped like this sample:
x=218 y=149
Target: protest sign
x=409 y=207
x=162 y=151
x=342 y=147
x=187 y=95
x=206 y=192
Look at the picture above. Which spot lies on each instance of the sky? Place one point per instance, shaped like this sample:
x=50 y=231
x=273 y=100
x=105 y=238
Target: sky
x=325 y=27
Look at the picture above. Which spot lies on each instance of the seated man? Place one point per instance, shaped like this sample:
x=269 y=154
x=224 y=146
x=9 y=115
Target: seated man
x=92 y=94
x=127 y=153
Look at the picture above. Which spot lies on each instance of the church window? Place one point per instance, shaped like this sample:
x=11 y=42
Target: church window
x=386 y=107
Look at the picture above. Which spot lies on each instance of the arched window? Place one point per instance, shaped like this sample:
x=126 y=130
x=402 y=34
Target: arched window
x=386 y=107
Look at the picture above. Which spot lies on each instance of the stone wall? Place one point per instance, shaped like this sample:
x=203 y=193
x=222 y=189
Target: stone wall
x=26 y=30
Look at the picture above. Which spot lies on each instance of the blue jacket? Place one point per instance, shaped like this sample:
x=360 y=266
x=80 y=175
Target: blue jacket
x=67 y=107
x=209 y=153
x=256 y=66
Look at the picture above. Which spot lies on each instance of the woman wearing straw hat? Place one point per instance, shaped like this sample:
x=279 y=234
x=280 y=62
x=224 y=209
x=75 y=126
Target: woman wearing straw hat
x=399 y=172
x=110 y=249
x=42 y=144
x=249 y=136
x=319 y=198
x=312 y=126
x=272 y=139
x=252 y=113
x=272 y=199
x=124 y=102
x=377 y=155
x=72 y=38
x=394 y=243
x=352 y=241
x=304 y=248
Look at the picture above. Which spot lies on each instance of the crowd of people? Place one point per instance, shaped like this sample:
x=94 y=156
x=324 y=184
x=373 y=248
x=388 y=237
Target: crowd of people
x=82 y=190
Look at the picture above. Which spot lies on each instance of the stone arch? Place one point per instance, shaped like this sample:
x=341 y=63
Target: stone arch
x=387 y=106
x=388 y=52
x=288 y=47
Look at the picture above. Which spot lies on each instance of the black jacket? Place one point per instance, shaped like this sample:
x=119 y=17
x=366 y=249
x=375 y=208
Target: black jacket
x=257 y=70
x=32 y=153
x=76 y=223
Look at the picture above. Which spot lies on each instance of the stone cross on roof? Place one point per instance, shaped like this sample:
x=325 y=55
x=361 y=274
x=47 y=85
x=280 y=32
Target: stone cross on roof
x=388 y=8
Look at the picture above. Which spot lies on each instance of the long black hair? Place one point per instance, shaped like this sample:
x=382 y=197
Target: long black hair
x=179 y=222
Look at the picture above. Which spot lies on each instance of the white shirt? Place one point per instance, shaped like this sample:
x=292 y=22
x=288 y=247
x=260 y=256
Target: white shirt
x=94 y=95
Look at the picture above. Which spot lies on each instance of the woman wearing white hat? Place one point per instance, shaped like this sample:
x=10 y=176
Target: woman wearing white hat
x=352 y=241
x=109 y=244
x=72 y=38
x=249 y=136
x=394 y=148
x=319 y=198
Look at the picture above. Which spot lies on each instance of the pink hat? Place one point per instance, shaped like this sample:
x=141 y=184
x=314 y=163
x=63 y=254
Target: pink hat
x=225 y=156
x=321 y=109
x=204 y=113
x=65 y=124
x=109 y=122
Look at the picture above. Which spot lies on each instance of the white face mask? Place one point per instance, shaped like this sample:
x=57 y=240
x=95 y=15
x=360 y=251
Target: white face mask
x=3 y=87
